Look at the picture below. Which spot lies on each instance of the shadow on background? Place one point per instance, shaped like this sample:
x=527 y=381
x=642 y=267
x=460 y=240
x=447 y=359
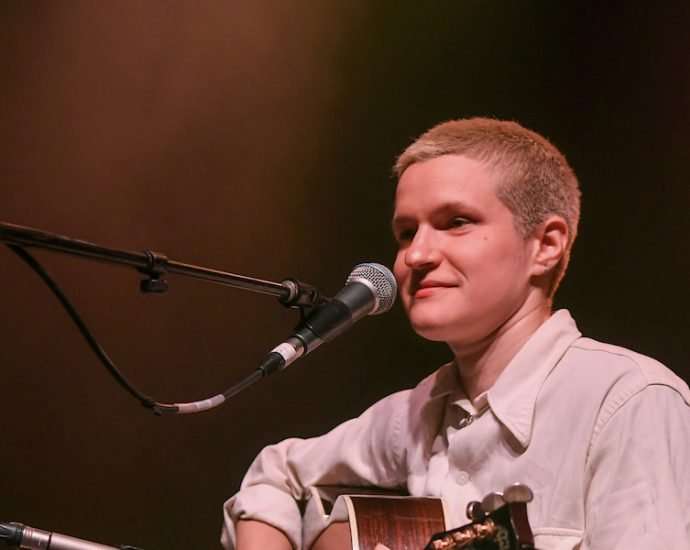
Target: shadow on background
x=258 y=139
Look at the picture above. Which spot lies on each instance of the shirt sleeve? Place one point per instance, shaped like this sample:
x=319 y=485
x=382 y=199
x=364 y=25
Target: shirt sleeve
x=361 y=452
x=638 y=493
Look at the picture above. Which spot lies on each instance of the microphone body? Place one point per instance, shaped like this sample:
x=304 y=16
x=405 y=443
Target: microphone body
x=30 y=538
x=369 y=290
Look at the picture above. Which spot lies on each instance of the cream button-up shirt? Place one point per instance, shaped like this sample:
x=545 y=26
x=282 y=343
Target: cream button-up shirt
x=599 y=433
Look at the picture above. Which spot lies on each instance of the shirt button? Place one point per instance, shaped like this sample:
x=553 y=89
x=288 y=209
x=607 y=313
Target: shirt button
x=461 y=478
x=465 y=421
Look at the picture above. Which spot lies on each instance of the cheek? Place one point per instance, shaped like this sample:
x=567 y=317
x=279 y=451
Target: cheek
x=510 y=270
x=402 y=274
x=400 y=270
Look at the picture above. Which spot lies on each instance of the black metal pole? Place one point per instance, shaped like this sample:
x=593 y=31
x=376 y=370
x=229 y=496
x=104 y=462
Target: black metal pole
x=290 y=292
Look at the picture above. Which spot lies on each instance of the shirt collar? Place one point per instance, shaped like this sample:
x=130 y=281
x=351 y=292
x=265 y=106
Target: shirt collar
x=445 y=382
x=513 y=397
x=431 y=393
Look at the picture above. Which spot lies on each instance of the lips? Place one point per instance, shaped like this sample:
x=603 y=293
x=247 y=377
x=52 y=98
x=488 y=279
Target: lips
x=429 y=287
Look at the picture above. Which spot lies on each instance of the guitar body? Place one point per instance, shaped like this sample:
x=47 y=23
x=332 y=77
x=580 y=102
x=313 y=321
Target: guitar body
x=398 y=523
x=373 y=522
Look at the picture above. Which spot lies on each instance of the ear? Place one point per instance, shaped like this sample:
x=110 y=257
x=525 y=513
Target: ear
x=550 y=238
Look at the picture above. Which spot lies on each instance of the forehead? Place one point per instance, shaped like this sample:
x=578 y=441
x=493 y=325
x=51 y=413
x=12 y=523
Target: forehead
x=443 y=180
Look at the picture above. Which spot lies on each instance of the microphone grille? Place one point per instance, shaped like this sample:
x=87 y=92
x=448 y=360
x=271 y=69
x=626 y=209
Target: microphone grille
x=380 y=279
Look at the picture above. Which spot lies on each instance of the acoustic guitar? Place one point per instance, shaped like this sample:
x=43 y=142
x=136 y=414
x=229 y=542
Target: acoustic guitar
x=375 y=522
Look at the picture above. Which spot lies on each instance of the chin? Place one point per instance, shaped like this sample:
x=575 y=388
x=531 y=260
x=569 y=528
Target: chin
x=455 y=329
x=431 y=336
x=431 y=329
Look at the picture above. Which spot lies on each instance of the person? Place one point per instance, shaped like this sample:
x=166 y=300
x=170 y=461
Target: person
x=486 y=213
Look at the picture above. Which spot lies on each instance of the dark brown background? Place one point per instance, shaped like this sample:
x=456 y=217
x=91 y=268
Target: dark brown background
x=258 y=138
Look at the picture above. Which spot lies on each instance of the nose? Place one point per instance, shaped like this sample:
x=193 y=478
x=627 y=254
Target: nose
x=423 y=252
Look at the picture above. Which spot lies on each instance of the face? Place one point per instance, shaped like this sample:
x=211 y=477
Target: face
x=462 y=268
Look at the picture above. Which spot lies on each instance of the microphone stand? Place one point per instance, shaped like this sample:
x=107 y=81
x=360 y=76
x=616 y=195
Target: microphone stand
x=154 y=265
x=290 y=292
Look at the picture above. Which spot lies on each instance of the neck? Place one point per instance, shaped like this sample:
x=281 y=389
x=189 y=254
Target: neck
x=481 y=364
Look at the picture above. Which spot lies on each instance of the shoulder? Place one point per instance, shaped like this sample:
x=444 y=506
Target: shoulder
x=624 y=370
x=409 y=419
x=623 y=383
x=412 y=406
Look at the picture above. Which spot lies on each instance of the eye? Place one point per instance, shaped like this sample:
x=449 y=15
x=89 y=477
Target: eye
x=405 y=234
x=458 y=221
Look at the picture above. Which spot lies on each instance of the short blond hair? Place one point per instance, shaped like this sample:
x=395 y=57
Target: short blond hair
x=535 y=179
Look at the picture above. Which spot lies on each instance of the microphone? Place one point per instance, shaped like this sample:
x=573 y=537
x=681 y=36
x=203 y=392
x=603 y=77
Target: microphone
x=30 y=538
x=369 y=290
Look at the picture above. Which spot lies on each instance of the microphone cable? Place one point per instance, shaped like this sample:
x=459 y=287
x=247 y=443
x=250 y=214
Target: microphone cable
x=156 y=407
x=377 y=278
x=119 y=377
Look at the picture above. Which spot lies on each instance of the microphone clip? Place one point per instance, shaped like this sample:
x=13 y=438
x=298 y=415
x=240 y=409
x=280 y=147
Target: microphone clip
x=155 y=269
x=301 y=295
